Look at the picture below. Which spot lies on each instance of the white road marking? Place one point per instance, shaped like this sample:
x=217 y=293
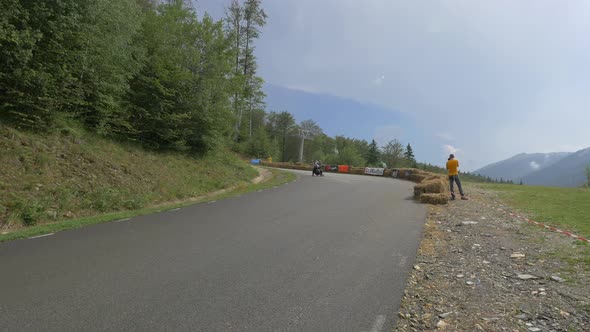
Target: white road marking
x=211 y=202
x=175 y=209
x=379 y=322
x=38 y=236
x=402 y=261
x=122 y=219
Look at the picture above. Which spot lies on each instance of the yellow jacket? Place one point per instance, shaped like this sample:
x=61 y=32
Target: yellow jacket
x=453 y=167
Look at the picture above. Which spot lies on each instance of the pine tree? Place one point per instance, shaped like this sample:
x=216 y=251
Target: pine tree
x=409 y=156
x=373 y=154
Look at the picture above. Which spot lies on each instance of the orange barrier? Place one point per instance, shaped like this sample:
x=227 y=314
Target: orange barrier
x=343 y=168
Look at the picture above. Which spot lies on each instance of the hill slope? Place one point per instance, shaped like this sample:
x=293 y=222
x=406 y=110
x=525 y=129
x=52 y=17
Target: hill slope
x=72 y=173
x=568 y=172
x=519 y=166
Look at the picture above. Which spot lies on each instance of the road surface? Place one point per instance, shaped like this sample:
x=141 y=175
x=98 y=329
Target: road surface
x=318 y=254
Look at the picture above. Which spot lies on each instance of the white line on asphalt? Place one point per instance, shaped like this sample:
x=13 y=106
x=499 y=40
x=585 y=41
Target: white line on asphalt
x=122 y=219
x=175 y=209
x=379 y=322
x=211 y=202
x=402 y=261
x=38 y=236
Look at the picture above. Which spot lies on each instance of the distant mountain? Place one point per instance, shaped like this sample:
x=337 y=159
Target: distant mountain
x=335 y=115
x=521 y=165
x=567 y=172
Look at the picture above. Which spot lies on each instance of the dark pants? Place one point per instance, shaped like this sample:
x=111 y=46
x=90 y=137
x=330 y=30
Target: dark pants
x=452 y=179
x=316 y=171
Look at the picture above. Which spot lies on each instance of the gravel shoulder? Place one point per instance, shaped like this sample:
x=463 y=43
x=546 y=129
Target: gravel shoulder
x=479 y=269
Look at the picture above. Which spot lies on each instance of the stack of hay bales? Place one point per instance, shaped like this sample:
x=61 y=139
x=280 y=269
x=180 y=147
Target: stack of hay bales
x=431 y=188
x=357 y=170
x=413 y=174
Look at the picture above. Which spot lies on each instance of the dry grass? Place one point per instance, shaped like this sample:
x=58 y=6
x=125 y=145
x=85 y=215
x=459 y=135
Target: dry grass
x=429 y=246
x=430 y=186
x=434 y=199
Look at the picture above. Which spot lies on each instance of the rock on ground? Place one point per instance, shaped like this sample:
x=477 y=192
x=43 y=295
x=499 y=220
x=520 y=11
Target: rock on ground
x=470 y=280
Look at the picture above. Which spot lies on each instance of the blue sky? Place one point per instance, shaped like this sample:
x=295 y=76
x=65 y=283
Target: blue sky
x=484 y=79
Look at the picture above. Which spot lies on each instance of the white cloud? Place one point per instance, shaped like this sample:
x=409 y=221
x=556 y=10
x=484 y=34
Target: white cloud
x=304 y=88
x=534 y=165
x=379 y=80
x=450 y=149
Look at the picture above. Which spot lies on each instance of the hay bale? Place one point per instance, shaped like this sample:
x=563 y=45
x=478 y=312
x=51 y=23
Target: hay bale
x=418 y=191
x=412 y=174
x=402 y=173
x=357 y=170
x=432 y=186
x=417 y=177
x=434 y=199
x=434 y=177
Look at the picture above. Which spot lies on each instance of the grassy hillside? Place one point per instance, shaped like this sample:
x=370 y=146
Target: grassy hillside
x=568 y=208
x=71 y=173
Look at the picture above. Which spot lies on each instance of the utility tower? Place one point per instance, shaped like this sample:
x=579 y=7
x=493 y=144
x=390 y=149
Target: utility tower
x=303 y=135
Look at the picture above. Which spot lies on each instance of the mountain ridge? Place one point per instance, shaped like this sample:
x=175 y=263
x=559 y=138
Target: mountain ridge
x=518 y=166
x=568 y=172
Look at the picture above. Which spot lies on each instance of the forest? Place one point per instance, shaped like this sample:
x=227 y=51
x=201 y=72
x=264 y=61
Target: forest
x=162 y=75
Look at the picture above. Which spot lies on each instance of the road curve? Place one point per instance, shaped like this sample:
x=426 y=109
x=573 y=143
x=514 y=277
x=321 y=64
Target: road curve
x=319 y=254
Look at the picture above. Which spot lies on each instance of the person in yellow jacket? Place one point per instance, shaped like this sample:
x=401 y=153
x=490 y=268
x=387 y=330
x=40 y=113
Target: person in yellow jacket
x=453 y=168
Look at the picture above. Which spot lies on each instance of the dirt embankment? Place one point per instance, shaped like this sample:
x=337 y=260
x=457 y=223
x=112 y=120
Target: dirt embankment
x=479 y=269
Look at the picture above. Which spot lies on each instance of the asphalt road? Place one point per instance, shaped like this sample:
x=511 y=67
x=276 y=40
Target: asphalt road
x=318 y=254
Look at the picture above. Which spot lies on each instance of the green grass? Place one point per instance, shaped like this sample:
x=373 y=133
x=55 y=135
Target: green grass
x=566 y=208
x=279 y=177
x=70 y=175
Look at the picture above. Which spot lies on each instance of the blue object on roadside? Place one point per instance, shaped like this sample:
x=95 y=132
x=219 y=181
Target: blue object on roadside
x=255 y=161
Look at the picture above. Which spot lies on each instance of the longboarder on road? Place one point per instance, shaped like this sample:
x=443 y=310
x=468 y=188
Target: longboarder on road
x=453 y=168
x=317 y=170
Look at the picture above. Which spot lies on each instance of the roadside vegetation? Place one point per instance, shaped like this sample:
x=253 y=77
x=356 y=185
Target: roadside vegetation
x=277 y=178
x=71 y=173
x=567 y=208
x=122 y=105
